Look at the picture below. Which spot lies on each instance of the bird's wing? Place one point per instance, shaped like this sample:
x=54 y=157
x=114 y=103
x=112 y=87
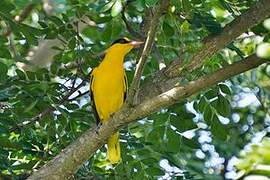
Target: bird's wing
x=92 y=78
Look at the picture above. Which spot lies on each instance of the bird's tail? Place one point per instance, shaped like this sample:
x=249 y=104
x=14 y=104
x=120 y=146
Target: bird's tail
x=113 y=153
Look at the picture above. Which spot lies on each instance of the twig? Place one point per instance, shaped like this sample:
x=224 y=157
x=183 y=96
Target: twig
x=80 y=95
x=132 y=97
x=136 y=34
x=13 y=49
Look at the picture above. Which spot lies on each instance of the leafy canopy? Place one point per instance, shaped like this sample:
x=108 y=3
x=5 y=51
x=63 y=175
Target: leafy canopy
x=193 y=139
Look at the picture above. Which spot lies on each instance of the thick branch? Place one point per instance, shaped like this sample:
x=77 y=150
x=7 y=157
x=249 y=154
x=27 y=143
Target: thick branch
x=181 y=92
x=170 y=75
x=68 y=161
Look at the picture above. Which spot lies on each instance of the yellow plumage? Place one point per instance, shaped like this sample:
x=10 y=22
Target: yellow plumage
x=108 y=88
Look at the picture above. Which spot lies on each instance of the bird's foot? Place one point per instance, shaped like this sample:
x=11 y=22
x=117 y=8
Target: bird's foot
x=98 y=127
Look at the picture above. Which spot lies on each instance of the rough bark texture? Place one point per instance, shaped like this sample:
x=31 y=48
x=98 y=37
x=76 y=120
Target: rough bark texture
x=69 y=160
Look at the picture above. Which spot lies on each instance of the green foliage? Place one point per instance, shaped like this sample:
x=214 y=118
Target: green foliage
x=256 y=160
x=179 y=142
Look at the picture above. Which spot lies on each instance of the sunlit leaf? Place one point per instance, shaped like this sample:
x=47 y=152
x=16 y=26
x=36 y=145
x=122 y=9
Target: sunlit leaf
x=116 y=8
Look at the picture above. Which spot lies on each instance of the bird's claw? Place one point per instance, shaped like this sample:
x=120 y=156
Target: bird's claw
x=98 y=127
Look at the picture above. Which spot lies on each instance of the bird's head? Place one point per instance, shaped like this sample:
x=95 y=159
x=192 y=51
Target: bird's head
x=124 y=45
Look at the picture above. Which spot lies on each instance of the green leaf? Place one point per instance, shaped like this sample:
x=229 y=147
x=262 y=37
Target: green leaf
x=72 y=106
x=29 y=34
x=182 y=124
x=139 y=175
x=4 y=95
x=42 y=24
x=212 y=93
x=3 y=72
x=4 y=53
x=150 y=3
x=154 y=171
x=192 y=143
x=72 y=43
x=107 y=33
x=25 y=166
x=218 y=130
x=168 y=30
x=139 y=5
x=20 y=74
x=6 y=6
x=195 y=106
x=159 y=119
x=185 y=27
x=57 y=21
x=223 y=106
x=107 y=6
x=225 y=89
x=173 y=141
x=156 y=135
x=208 y=114
x=202 y=104
x=31 y=106
x=5 y=142
x=117 y=29
x=117 y=8
x=149 y=160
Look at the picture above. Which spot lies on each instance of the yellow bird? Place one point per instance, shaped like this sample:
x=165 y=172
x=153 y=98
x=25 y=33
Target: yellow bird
x=108 y=88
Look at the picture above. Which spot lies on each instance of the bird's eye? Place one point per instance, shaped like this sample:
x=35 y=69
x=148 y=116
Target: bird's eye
x=121 y=41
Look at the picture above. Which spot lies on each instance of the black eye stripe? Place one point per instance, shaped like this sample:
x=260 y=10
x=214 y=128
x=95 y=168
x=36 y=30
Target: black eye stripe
x=121 y=41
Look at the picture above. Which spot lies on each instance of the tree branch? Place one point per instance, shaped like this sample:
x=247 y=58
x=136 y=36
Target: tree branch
x=79 y=95
x=257 y=13
x=171 y=75
x=136 y=34
x=68 y=161
x=158 y=11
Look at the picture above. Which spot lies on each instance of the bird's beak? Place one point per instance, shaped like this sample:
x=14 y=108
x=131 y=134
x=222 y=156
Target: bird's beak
x=136 y=43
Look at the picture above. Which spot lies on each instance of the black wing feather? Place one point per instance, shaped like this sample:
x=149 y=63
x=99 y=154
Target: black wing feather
x=126 y=86
x=93 y=100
